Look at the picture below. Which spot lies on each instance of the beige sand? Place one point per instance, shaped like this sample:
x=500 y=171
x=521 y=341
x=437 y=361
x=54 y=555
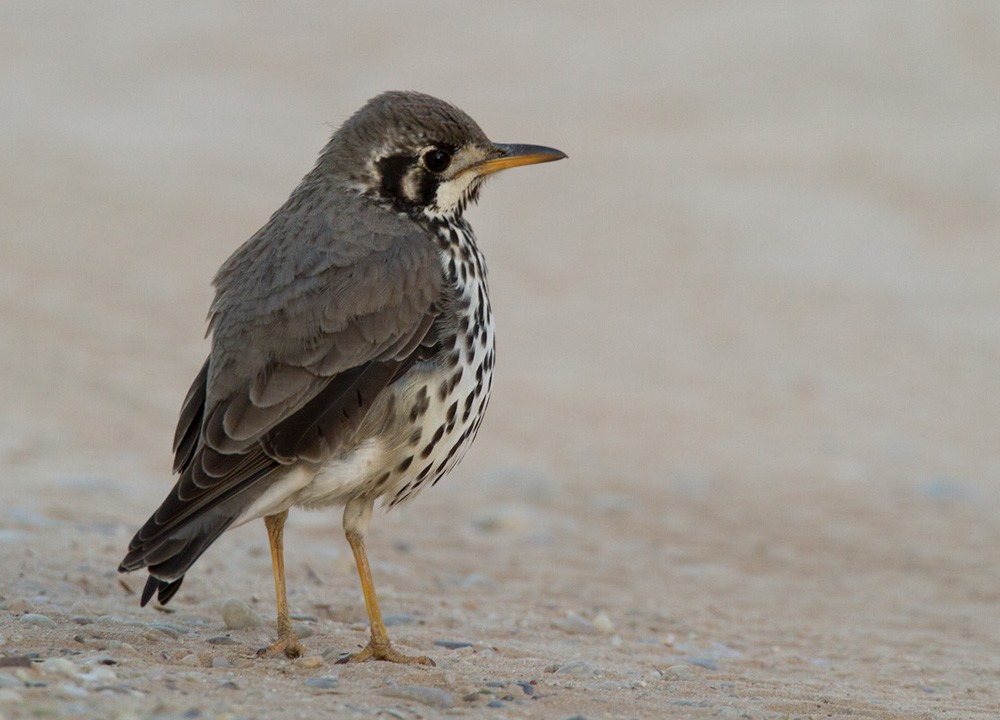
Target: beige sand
x=742 y=454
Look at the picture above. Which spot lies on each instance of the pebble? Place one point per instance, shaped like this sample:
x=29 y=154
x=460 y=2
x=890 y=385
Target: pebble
x=452 y=644
x=9 y=681
x=705 y=662
x=18 y=605
x=191 y=660
x=236 y=614
x=602 y=623
x=327 y=682
x=309 y=661
x=432 y=697
x=221 y=640
x=73 y=690
x=575 y=625
x=59 y=666
x=494 y=704
x=303 y=617
x=170 y=629
x=38 y=620
x=392 y=620
x=578 y=667
x=221 y=662
x=678 y=672
x=9 y=696
x=302 y=630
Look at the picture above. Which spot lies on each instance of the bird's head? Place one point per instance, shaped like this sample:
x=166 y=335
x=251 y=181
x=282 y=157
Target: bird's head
x=421 y=155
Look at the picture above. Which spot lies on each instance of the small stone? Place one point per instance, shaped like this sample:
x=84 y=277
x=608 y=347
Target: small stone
x=452 y=644
x=393 y=620
x=83 y=620
x=309 y=662
x=38 y=620
x=578 y=667
x=9 y=681
x=575 y=625
x=494 y=704
x=602 y=623
x=327 y=682
x=191 y=660
x=303 y=617
x=9 y=696
x=119 y=646
x=59 y=666
x=678 y=672
x=302 y=630
x=237 y=615
x=18 y=605
x=221 y=640
x=99 y=677
x=73 y=690
x=432 y=697
x=221 y=662
x=170 y=629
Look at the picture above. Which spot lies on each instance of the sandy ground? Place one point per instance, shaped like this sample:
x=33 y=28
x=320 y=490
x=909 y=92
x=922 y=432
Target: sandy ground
x=742 y=454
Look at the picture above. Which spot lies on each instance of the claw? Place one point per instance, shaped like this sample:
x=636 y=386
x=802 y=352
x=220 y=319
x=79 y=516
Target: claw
x=386 y=652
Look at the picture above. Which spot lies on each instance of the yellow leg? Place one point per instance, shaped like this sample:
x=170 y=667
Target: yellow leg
x=356 y=517
x=287 y=642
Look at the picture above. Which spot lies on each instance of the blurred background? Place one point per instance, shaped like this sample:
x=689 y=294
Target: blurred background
x=755 y=315
x=774 y=249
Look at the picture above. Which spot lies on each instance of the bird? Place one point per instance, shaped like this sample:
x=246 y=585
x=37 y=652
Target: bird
x=352 y=350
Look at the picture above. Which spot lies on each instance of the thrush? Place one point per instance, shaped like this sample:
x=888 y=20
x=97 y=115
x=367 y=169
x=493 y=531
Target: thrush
x=352 y=350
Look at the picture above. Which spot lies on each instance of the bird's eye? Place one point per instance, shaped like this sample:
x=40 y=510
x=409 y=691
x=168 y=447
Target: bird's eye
x=436 y=160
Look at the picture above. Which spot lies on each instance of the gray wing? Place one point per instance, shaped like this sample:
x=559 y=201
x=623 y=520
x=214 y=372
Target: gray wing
x=314 y=317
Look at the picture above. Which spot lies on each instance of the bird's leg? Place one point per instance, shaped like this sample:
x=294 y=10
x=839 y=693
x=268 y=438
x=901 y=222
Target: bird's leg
x=288 y=641
x=357 y=515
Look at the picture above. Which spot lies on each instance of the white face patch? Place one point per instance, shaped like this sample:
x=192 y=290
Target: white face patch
x=455 y=186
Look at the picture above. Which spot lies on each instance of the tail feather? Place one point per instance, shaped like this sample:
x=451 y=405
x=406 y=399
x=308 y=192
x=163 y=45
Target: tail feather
x=163 y=589
x=168 y=558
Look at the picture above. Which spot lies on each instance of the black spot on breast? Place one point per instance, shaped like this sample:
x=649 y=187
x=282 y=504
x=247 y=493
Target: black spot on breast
x=425 y=453
x=402 y=467
x=452 y=411
x=416 y=435
x=382 y=480
x=420 y=405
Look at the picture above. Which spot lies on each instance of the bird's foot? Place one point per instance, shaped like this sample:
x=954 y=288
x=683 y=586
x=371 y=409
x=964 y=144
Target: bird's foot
x=384 y=651
x=289 y=646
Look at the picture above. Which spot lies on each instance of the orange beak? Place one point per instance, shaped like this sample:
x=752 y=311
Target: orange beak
x=516 y=155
